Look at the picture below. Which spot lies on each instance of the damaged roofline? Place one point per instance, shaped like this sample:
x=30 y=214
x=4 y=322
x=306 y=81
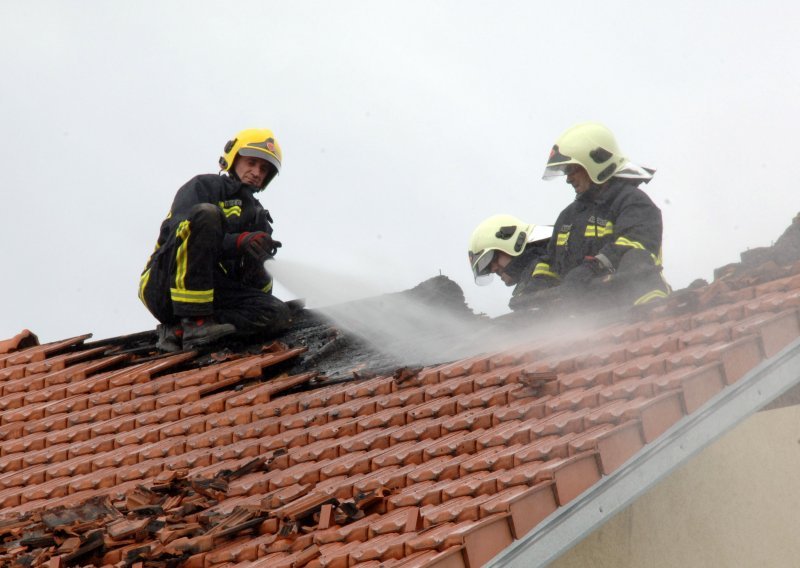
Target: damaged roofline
x=570 y=524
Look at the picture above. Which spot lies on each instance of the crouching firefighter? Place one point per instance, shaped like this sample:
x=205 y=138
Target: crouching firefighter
x=606 y=245
x=509 y=247
x=206 y=278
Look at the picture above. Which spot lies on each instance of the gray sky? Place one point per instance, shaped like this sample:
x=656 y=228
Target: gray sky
x=403 y=125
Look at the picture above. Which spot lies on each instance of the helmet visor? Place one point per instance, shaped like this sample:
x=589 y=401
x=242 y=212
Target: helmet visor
x=481 y=263
x=555 y=171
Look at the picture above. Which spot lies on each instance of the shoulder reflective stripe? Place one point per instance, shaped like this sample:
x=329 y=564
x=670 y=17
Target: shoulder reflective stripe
x=182 y=233
x=143 y=280
x=192 y=296
x=562 y=239
x=652 y=295
x=268 y=287
x=229 y=211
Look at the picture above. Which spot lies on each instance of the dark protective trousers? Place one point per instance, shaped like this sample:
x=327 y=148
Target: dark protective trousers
x=187 y=280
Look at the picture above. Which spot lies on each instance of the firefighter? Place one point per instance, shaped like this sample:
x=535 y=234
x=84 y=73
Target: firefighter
x=509 y=247
x=206 y=278
x=606 y=245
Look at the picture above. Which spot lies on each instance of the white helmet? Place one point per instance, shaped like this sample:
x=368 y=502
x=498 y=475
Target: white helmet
x=504 y=233
x=590 y=145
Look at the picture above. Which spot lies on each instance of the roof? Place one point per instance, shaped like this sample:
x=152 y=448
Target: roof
x=112 y=456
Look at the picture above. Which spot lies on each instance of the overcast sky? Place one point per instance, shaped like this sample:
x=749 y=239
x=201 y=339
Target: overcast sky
x=403 y=125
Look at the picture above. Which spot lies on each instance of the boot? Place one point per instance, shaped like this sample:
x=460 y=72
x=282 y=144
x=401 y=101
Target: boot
x=169 y=337
x=200 y=331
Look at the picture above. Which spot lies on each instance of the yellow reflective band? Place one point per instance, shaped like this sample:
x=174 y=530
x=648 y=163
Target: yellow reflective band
x=229 y=211
x=268 y=287
x=192 y=296
x=180 y=255
x=623 y=242
x=143 y=280
x=562 y=238
x=598 y=231
x=650 y=296
x=543 y=269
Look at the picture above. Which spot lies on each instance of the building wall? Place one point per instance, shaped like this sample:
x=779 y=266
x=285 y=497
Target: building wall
x=735 y=504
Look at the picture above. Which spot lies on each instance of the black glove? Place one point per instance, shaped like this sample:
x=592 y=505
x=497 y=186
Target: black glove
x=258 y=244
x=584 y=273
x=527 y=293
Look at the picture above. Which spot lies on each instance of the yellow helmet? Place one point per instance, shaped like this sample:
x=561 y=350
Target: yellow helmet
x=255 y=142
x=505 y=233
x=590 y=145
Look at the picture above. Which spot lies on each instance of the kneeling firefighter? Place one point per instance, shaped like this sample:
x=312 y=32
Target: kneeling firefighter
x=509 y=247
x=606 y=245
x=206 y=278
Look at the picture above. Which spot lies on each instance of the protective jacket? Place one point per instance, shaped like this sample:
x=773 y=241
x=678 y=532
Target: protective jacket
x=521 y=268
x=614 y=221
x=195 y=268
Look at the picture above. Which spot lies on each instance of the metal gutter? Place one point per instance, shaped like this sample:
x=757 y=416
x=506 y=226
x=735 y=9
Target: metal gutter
x=569 y=524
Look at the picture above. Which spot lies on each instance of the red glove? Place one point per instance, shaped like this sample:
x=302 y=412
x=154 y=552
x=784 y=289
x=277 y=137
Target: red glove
x=257 y=244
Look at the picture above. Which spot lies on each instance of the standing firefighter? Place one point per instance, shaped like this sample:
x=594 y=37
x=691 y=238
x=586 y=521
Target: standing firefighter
x=606 y=245
x=509 y=247
x=206 y=278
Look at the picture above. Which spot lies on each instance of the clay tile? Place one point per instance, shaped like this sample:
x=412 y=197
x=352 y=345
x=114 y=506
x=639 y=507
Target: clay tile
x=392 y=477
x=485 y=398
x=572 y=475
x=474 y=484
x=491 y=459
x=416 y=430
x=409 y=452
x=29 y=443
x=22 y=340
x=444 y=406
x=776 y=331
x=501 y=502
x=393 y=522
x=656 y=414
x=497 y=377
x=470 y=420
x=430 y=539
x=575 y=399
x=358 y=408
x=738 y=357
x=483 y=539
x=402 y=398
x=440 y=468
x=601 y=355
x=653 y=345
x=385 y=418
x=382 y=548
x=459 y=442
x=544 y=448
x=314 y=451
x=380 y=386
x=300 y=474
x=642 y=367
x=697 y=385
x=453 y=387
x=520 y=410
x=357 y=531
x=464 y=367
x=629 y=389
x=335 y=429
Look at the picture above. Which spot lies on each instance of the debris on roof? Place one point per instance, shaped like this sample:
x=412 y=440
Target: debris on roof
x=339 y=446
